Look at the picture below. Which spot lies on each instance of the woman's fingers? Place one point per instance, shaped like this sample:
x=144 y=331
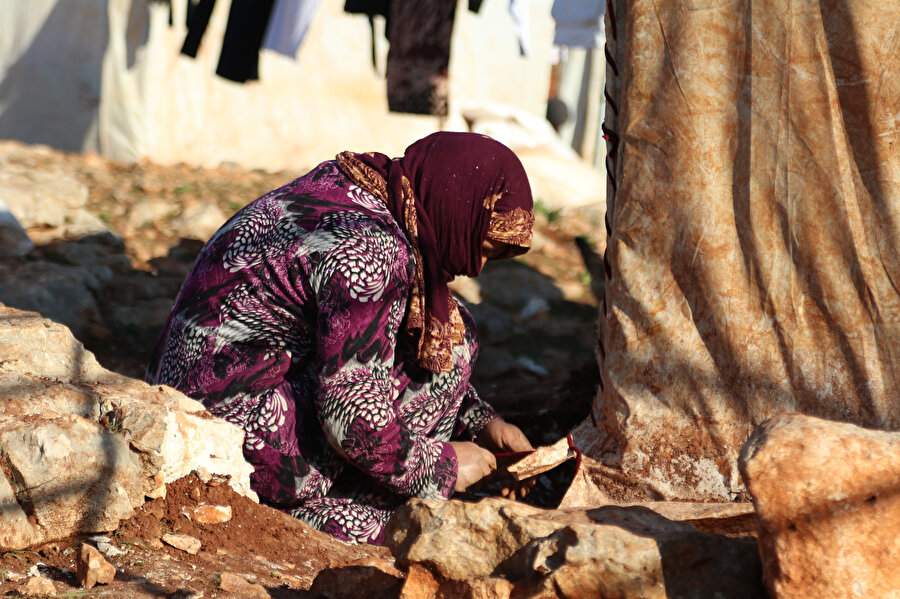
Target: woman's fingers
x=474 y=464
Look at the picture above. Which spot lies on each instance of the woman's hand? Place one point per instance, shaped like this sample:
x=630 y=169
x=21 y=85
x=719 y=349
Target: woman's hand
x=500 y=436
x=474 y=464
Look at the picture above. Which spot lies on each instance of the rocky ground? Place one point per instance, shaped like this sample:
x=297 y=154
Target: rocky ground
x=258 y=552
x=110 y=264
x=85 y=449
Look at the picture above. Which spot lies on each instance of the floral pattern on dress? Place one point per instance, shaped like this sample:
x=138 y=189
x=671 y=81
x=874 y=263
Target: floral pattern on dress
x=288 y=327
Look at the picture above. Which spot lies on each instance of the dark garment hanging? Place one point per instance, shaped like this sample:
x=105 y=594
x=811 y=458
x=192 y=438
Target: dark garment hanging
x=247 y=22
x=371 y=8
x=419 y=32
x=244 y=33
x=198 y=13
x=368 y=7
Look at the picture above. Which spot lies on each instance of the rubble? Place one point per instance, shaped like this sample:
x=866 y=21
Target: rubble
x=93 y=568
x=501 y=548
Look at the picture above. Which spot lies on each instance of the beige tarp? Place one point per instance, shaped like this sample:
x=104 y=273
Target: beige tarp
x=755 y=251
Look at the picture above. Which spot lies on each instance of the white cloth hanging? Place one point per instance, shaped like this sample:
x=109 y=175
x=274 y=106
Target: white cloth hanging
x=288 y=25
x=578 y=23
x=519 y=11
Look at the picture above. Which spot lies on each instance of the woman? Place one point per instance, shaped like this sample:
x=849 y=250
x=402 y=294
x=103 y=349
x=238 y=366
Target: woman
x=318 y=319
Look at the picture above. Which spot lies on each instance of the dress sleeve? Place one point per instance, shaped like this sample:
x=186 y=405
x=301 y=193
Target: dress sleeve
x=474 y=414
x=361 y=286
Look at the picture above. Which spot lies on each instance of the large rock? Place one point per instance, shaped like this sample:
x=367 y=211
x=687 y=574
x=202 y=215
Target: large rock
x=40 y=198
x=14 y=241
x=66 y=294
x=67 y=281
x=82 y=446
x=500 y=548
x=828 y=499
x=49 y=203
x=67 y=474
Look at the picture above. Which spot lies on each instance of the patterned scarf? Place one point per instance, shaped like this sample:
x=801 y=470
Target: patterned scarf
x=449 y=192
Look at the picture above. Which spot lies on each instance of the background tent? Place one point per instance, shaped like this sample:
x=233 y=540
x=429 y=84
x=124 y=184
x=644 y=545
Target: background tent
x=107 y=76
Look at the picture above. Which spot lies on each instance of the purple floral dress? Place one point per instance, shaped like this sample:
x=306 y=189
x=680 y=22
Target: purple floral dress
x=287 y=326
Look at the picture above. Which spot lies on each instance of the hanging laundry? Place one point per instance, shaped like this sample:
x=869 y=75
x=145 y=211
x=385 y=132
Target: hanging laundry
x=247 y=22
x=578 y=23
x=372 y=9
x=419 y=55
x=580 y=75
x=519 y=11
x=198 y=13
x=288 y=25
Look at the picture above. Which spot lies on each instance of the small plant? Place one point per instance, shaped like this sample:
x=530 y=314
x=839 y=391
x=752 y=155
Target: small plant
x=130 y=544
x=552 y=214
x=19 y=554
x=114 y=422
x=183 y=189
x=165 y=528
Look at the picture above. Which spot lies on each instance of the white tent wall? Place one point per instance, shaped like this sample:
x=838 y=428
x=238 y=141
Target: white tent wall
x=51 y=54
x=108 y=76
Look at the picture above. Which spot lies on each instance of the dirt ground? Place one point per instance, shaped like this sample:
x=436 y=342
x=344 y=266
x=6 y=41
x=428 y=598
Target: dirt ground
x=258 y=543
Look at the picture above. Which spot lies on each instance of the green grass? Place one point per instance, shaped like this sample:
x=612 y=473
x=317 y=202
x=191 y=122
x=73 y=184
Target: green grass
x=186 y=188
x=552 y=215
x=18 y=554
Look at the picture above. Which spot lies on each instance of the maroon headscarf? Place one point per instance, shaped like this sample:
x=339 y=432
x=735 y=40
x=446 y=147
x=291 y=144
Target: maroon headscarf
x=449 y=192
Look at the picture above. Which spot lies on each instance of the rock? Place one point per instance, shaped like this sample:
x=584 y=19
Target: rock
x=39 y=586
x=74 y=281
x=210 y=514
x=200 y=221
x=97 y=249
x=607 y=552
x=185 y=543
x=92 y=568
x=512 y=286
x=65 y=294
x=378 y=578
x=41 y=198
x=420 y=583
x=148 y=212
x=14 y=241
x=68 y=474
x=105 y=546
x=238 y=586
x=828 y=499
x=82 y=445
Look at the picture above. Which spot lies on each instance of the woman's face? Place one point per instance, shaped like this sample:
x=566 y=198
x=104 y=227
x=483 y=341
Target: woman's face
x=496 y=250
